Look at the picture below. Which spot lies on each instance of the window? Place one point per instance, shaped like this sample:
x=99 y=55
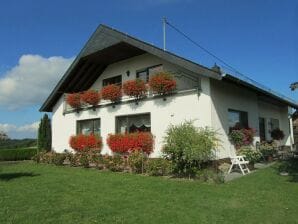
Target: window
x=87 y=127
x=238 y=119
x=113 y=80
x=133 y=123
x=144 y=74
x=273 y=124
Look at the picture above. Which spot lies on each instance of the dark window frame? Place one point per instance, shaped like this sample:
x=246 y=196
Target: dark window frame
x=246 y=125
x=147 y=71
x=91 y=119
x=127 y=116
x=105 y=81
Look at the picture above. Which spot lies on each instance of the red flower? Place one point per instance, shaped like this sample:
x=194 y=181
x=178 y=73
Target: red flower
x=135 y=88
x=111 y=92
x=162 y=83
x=74 y=100
x=91 y=97
x=85 y=142
x=123 y=143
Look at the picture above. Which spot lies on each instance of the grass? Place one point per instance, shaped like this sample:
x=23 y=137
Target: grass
x=36 y=193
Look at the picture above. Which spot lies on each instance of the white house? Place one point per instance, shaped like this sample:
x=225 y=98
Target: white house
x=204 y=95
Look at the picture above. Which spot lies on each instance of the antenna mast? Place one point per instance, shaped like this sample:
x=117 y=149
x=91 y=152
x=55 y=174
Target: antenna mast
x=164 y=22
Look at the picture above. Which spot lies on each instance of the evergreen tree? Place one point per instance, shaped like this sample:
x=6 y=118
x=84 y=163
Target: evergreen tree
x=44 y=141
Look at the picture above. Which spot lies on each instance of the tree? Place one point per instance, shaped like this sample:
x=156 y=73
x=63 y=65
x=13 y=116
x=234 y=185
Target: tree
x=294 y=86
x=44 y=140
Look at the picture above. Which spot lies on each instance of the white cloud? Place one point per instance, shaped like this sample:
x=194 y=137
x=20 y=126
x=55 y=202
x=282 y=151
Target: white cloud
x=23 y=131
x=31 y=81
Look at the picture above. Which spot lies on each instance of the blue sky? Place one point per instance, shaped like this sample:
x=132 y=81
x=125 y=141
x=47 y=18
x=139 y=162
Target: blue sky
x=39 y=39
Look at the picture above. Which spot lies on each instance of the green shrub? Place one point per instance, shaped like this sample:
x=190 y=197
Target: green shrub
x=136 y=161
x=114 y=163
x=251 y=155
x=158 y=167
x=84 y=159
x=188 y=147
x=95 y=158
x=58 y=158
x=17 y=154
x=267 y=149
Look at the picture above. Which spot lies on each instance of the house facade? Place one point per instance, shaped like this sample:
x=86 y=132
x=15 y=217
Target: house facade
x=203 y=95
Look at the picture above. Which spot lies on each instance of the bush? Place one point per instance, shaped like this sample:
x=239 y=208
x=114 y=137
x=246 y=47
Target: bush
x=74 y=100
x=124 y=143
x=188 y=147
x=136 y=161
x=158 y=167
x=135 y=88
x=267 y=149
x=17 y=154
x=85 y=142
x=84 y=159
x=111 y=92
x=114 y=163
x=58 y=158
x=91 y=97
x=251 y=155
x=277 y=134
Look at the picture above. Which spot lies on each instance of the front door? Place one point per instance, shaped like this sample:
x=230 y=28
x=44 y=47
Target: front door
x=262 y=128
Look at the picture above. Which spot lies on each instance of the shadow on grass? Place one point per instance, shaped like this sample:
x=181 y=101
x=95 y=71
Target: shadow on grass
x=290 y=166
x=11 y=176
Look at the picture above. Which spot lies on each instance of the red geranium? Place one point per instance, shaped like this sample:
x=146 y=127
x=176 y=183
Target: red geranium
x=162 y=83
x=123 y=143
x=74 y=100
x=135 y=88
x=91 y=97
x=111 y=92
x=85 y=142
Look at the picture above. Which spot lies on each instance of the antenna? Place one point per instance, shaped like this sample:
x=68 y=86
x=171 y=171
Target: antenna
x=164 y=22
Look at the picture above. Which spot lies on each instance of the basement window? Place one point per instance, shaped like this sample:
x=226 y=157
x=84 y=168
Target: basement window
x=133 y=123
x=237 y=119
x=117 y=80
x=144 y=74
x=87 y=127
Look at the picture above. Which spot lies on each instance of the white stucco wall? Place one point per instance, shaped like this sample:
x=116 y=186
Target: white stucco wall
x=229 y=96
x=209 y=108
x=177 y=108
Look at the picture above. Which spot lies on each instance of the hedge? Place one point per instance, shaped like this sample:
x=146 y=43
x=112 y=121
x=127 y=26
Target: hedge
x=17 y=154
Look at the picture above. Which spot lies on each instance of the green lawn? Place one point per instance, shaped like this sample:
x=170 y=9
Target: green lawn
x=35 y=193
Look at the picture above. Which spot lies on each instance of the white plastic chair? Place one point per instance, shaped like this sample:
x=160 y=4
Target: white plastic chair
x=240 y=162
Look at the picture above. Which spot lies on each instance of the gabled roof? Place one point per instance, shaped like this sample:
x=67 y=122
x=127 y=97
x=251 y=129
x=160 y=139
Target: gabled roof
x=107 y=46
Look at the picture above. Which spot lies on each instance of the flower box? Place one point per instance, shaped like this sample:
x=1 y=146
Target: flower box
x=91 y=97
x=135 y=88
x=162 y=83
x=125 y=143
x=74 y=100
x=111 y=92
x=85 y=142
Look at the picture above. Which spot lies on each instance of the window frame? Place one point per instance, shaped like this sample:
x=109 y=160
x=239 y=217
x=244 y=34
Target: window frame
x=147 y=71
x=90 y=119
x=246 y=125
x=113 y=77
x=127 y=116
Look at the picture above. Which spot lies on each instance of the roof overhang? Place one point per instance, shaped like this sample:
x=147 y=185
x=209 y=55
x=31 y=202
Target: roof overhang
x=262 y=91
x=107 y=46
